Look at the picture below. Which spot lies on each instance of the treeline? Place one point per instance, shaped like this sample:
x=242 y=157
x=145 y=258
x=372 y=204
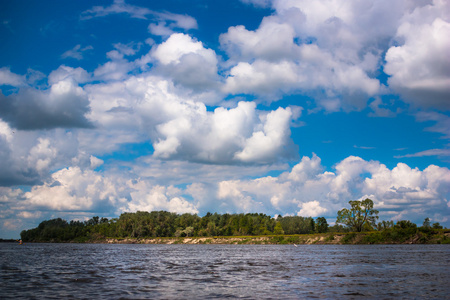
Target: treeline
x=402 y=232
x=165 y=224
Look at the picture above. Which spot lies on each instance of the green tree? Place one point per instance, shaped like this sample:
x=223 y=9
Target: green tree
x=437 y=225
x=278 y=229
x=360 y=213
x=322 y=225
x=427 y=223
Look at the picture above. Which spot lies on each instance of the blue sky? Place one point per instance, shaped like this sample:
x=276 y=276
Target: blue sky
x=280 y=107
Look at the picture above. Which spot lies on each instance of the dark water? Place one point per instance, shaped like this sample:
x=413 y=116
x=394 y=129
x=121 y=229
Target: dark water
x=218 y=271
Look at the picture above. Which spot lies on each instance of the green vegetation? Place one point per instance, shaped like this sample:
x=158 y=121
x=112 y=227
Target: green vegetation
x=360 y=216
x=253 y=228
x=165 y=224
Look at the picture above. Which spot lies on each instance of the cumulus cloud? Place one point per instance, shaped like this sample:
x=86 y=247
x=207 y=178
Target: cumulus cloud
x=72 y=189
x=64 y=104
x=187 y=62
x=9 y=78
x=152 y=198
x=240 y=134
x=277 y=59
x=271 y=41
x=64 y=72
x=419 y=66
x=312 y=209
x=332 y=51
x=181 y=128
x=307 y=190
x=26 y=157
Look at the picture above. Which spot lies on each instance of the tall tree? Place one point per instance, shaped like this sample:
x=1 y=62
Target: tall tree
x=322 y=225
x=360 y=214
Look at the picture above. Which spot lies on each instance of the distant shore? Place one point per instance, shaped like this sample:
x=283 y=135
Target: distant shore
x=352 y=238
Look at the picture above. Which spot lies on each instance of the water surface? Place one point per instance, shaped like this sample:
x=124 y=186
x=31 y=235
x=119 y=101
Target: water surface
x=102 y=271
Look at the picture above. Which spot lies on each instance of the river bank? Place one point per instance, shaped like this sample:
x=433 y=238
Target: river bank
x=437 y=237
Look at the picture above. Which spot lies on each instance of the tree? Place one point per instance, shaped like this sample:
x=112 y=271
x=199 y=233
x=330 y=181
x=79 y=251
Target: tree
x=437 y=225
x=278 y=229
x=360 y=213
x=427 y=223
x=322 y=225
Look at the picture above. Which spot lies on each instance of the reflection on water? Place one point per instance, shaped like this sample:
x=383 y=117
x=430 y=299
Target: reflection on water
x=220 y=271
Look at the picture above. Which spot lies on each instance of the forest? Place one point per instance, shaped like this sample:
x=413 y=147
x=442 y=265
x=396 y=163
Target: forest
x=157 y=224
x=166 y=224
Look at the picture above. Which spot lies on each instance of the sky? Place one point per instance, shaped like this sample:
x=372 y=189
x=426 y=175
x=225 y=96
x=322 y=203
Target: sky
x=282 y=107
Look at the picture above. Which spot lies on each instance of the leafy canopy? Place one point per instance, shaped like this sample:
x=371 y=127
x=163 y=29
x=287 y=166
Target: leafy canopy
x=360 y=214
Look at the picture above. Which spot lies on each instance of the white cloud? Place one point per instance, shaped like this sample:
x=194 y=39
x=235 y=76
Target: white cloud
x=9 y=78
x=265 y=144
x=419 y=67
x=187 y=62
x=271 y=41
x=308 y=191
x=442 y=122
x=119 y=6
x=63 y=72
x=76 y=52
x=441 y=126
x=95 y=162
x=180 y=128
x=72 y=189
x=305 y=190
x=62 y=105
x=380 y=109
x=311 y=209
x=128 y=49
x=258 y=3
x=145 y=197
x=316 y=72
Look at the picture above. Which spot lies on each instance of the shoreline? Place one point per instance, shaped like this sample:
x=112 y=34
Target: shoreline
x=363 y=238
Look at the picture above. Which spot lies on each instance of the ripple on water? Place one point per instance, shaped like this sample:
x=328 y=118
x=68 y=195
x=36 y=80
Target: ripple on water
x=221 y=271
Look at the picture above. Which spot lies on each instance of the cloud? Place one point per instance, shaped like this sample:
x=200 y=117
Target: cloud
x=442 y=122
x=166 y=21
x=274 y=65
x=153 y=198
x=64 y=72
x=76 y=52
x=128 y=49
x=187 y=62
x=333 y=51
x=306 y=189
x=419 y=67
x=431 y=152
x=72 y=189
x=257 y=3
x=64 y=104
x=236 y=135
x=271 y=41
x=380 y=109
x=181 y=128
x=118 y=7
x=312 y=209
x=441 y=126
x=265 y=144
x=9 y=78
x=26 y=157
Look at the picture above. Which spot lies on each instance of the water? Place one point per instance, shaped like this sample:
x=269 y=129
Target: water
x=101 y=271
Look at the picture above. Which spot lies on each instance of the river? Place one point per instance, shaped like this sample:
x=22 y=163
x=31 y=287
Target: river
x=105 y=271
